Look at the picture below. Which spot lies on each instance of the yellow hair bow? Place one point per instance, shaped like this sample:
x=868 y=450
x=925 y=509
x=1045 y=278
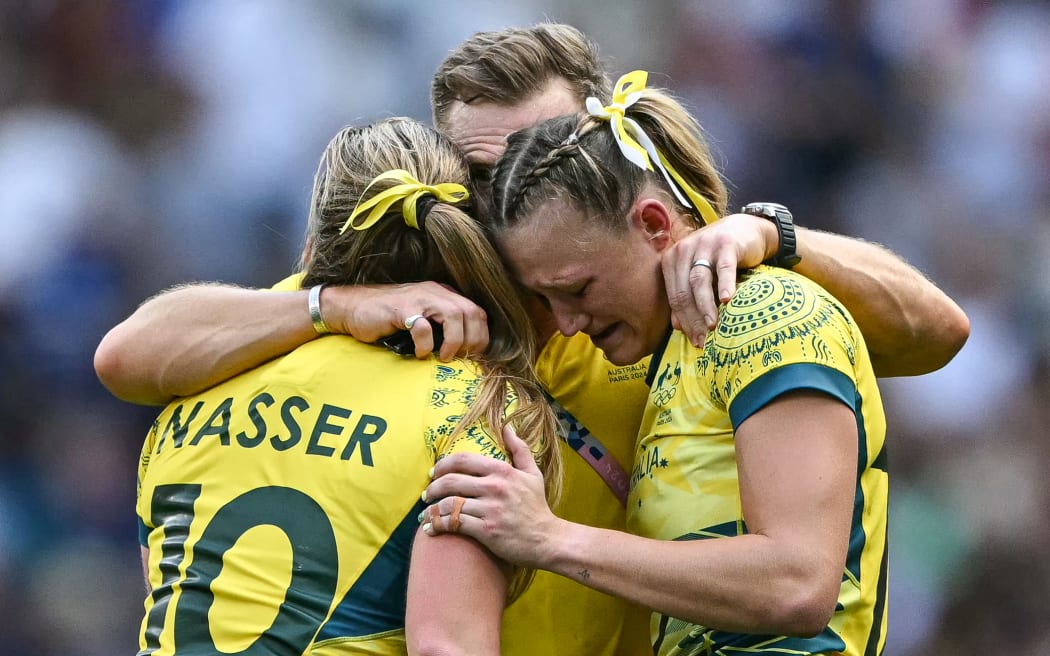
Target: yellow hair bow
x=636 y=145
x=409 y=191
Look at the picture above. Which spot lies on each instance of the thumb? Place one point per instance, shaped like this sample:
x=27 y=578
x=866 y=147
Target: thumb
x=519 y=451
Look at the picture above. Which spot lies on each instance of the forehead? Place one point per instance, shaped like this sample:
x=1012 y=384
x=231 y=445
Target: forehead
x=480 y=128
x=557 y=248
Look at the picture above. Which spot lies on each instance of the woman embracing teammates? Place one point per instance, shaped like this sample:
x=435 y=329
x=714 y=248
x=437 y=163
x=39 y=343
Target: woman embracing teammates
x=278 y=510
x=759 y=488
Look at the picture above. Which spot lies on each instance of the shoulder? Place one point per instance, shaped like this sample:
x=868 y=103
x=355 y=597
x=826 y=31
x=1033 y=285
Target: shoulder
x=769 y=301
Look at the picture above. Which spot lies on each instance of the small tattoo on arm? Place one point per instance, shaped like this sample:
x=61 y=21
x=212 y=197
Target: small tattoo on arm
x=583 y=574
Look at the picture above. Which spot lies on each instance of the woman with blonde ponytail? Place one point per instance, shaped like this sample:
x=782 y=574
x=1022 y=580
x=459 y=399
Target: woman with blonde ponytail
x=759 y=487
x=278 y=510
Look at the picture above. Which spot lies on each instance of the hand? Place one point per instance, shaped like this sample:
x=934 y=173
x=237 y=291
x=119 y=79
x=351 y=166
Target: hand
x=500 y=505
x=371 y=312
x=737 y=241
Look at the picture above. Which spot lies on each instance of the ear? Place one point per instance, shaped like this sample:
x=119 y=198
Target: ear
x=654 y=220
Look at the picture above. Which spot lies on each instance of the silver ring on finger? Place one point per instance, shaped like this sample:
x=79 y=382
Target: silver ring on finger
x=703 y=263
x=411 y=321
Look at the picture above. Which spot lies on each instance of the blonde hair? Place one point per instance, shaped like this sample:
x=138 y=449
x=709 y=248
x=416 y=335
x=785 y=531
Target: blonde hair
x=507 y=66
x=577 y=157
x=449 y=247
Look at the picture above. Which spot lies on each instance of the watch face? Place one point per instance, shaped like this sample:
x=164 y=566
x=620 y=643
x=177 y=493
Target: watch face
x=768 y=210
x=761 y=209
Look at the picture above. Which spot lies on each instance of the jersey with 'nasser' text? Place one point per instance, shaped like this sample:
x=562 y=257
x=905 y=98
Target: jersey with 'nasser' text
x=279 y=507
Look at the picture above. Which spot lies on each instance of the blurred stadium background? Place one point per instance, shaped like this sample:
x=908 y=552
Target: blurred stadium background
x=149 y=142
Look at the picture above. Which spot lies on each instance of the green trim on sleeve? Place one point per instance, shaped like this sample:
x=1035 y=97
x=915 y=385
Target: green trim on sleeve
x=788 y=378
x=143 y=533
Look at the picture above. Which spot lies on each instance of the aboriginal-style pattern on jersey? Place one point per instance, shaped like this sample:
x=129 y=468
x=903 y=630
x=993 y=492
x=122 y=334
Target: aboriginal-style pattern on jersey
x=779 y=333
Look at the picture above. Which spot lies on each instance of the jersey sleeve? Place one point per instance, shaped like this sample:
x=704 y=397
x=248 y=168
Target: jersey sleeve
x=292 y=283
x=454 y=391
x=142 y=505
x=779 y=333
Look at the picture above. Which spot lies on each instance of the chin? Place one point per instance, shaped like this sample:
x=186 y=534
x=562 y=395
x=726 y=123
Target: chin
x=621 y=356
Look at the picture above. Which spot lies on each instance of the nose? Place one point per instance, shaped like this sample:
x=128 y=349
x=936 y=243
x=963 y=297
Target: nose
x=568 y=318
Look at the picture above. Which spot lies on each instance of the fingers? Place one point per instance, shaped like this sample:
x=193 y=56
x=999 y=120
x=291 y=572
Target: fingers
x=471 y=464
x=519 y=451
x=451 y=485
x=453 y=516
x=690 y=292
x=700 y=271
x=463 y=324
x=370 y=312
x=432 y=515
x=448 y=515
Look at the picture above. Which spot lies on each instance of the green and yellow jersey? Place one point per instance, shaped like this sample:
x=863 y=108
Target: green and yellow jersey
x=780 y=332
x=279 y=507
x=600 y=407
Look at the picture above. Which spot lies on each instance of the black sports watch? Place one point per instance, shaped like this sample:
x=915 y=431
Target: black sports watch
x=786 y=256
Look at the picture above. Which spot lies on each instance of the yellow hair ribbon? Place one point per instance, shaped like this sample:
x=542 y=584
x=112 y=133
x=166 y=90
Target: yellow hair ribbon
x=707 y=213
x=409 y=191
x=636 y=145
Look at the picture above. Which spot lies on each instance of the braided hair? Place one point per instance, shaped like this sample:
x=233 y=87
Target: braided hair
x=576 y=158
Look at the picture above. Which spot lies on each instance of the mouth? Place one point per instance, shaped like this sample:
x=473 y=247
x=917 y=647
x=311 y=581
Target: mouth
x=600 y=337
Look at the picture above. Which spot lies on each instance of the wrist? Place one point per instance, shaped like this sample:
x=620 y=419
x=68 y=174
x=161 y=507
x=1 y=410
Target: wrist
x=336 y=299
x=314 y=308
x=786 y=255
x=564 y=549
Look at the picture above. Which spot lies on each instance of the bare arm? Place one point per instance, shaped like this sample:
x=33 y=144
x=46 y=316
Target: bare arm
x=797 y=460
x=145 y=568
x=910 y=326
x=456 y=595
x=192 y=337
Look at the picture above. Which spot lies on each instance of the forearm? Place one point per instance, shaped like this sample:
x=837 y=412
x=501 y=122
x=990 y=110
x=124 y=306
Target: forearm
x=910 y=326
x=747 y=583
x=190 y=338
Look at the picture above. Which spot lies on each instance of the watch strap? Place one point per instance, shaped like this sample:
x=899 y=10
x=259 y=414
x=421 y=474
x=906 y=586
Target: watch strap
x=787 y=243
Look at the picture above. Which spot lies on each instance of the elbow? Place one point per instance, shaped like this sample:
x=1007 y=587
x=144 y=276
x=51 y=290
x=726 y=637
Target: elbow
x=803 y=611
x=109 y=365
x=956 y=333
x=118 y=376
x=929 y=349
x=951 y=336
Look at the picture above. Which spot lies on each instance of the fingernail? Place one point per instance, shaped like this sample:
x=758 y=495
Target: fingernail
x=423 y=496
x=428 y=529
x=419 y=519
x=430 y=472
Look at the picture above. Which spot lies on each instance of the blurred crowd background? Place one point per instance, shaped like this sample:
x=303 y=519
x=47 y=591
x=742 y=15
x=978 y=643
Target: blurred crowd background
x=145 y=143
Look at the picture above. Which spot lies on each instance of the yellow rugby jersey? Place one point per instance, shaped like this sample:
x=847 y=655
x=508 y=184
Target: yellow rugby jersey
x=593 y=398
x=279 y=507
x=780 y=332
